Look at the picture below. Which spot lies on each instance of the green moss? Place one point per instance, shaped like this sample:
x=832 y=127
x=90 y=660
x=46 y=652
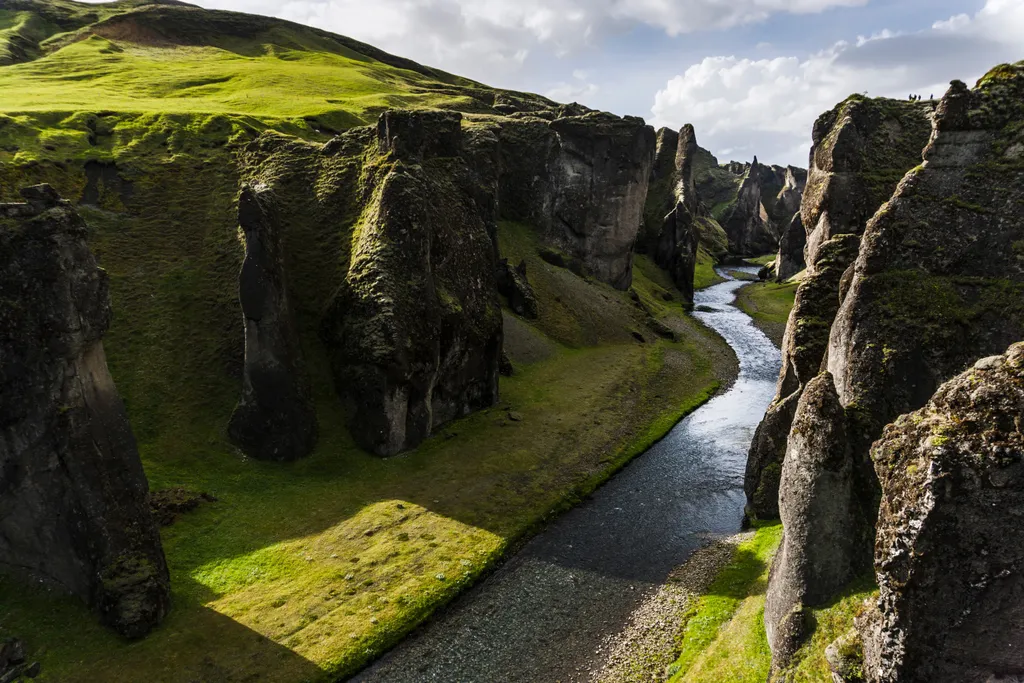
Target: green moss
x=724 y=638
x=769 y=304
x=704 y=274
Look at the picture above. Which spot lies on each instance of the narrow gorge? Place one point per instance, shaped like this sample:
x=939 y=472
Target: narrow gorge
x=320 y=364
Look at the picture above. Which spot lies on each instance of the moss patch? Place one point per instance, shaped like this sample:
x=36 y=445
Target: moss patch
x=724 y=638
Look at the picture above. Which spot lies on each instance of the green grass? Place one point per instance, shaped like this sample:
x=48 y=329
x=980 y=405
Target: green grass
x=769 y=304
x=830 y=622
x=724 y=638
x=762 y=260
x=704 y=275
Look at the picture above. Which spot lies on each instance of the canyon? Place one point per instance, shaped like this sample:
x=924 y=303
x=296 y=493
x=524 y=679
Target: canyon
x=397 y=334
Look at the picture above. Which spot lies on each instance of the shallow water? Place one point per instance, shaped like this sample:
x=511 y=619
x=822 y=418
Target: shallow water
x=545 y=614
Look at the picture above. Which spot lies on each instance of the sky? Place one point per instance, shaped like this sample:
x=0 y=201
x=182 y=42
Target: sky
x=750 y=75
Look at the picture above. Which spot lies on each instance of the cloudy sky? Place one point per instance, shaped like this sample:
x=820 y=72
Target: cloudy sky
x=751 y=75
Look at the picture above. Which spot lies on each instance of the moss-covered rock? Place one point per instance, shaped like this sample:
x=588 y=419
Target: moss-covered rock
x=861 y=149
x=74 y=509
x=950 y=549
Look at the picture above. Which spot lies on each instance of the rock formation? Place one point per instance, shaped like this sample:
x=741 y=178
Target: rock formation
x=415 y=330
x=937 y=282
x=950 y=550
x=276 y=418
x=582 y=182
x=803 y=347
x=408 y=306
x=746 y=221
x=815 y=497
x=861 y=149
x=790 y=259
x=73 y=495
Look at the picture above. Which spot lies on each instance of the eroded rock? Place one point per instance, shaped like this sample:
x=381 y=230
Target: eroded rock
x=73 y=496
x=275 y=418
x=949 y=554
x=817 y=556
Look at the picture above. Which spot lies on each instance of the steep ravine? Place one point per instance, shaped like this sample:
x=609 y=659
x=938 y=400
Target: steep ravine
x=544 y=614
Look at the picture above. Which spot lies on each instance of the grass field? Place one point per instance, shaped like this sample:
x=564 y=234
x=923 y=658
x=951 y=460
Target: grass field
x=769 y=304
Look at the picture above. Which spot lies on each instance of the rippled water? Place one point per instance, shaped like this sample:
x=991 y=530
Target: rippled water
x=543 y=615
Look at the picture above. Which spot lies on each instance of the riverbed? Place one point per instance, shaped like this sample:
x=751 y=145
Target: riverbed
x=543 y=616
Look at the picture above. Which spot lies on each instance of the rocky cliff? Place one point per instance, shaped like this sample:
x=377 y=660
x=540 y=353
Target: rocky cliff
x=937 y=284
x=408 y=309
x=861 y=149
x=949 y=554
x=677 y=222
x=275 y=419
x=582 y=182
x=74 y=507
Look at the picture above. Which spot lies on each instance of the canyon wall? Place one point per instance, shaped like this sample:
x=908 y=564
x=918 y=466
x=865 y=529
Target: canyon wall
x=74 y=501
x=937 y=284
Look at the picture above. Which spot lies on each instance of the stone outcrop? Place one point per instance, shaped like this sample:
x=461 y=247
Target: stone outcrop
x=790 y=259
x=937 y=282
x=803 y=348
x=403 y=287
x=949 y=553
x=276 y=418
x=415 y=330
x=73 y=494
x=815 y=503
x=582 y=182
x=746 y=221
x=513 y=285
x=860 y=151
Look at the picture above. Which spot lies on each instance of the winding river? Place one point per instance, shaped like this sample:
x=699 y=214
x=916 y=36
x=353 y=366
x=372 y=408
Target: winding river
x=542 y=617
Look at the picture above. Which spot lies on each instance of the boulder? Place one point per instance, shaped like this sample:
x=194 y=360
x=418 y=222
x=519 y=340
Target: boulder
x=74 y=508
x=513 y=285
x=817 y=556
x=949 y=555
x=275 y=418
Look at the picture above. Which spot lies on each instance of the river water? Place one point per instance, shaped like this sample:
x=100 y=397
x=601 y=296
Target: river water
x=543 y=616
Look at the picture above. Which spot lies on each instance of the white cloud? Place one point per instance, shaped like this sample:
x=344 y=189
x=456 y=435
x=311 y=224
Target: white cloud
x=769 y=105
x=484 y=38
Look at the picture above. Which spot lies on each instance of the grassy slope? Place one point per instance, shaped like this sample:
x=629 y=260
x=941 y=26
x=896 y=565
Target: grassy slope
x=769 y=304
x=724 y=637
x=305 y=570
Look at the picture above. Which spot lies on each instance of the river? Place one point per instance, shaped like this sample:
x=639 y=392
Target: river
x=543 y=615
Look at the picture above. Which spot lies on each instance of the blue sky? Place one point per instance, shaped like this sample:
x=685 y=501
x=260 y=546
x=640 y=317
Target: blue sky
x=751 y=75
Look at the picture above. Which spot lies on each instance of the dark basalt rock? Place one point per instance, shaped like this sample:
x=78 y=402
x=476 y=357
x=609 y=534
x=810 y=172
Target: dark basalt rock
x=581 y=180
x=861 y=149
x=747 y=223
x=803 y=349
x=414 y=332
x=513 y=285
x=275 y=418
x=937 y=283
x=73 y=496
x=949 y=555
x=817 y=555
x=790 y=260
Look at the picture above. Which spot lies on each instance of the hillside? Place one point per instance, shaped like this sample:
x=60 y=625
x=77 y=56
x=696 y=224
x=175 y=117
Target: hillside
x=148 y=117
